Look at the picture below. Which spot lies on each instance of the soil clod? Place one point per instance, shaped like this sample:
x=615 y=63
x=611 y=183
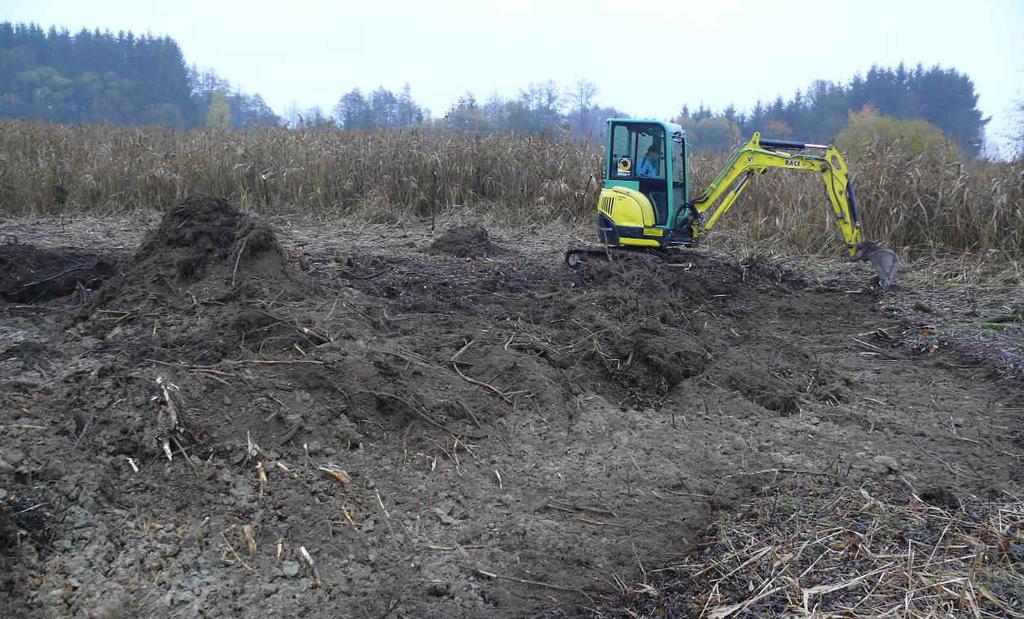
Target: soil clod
x=465 y=241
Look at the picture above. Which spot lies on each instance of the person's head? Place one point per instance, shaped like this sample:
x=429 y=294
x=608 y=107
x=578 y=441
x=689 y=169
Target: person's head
x=653 y=152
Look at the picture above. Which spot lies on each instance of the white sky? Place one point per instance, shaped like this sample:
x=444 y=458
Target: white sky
x=648 y=57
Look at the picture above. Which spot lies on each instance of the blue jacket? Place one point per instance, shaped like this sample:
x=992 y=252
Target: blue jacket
x=648 y=168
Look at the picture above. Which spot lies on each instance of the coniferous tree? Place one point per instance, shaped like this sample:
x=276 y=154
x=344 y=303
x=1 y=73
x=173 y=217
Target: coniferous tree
x=92 y=77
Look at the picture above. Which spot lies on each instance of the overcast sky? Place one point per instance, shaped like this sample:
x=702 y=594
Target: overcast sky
x=648 y=57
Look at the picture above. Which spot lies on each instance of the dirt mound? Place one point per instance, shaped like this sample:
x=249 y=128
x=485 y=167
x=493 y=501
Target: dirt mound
x=468 y=241
x=205 y=247
x=30 y=274
x=655 y=361
x=196 y=279
x=211 y=296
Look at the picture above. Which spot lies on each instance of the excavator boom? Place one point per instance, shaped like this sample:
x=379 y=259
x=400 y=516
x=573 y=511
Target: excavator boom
x=756 y=157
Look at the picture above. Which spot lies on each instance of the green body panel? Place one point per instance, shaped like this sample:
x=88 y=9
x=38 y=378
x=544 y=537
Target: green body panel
x=672 y=131
x=608 y=184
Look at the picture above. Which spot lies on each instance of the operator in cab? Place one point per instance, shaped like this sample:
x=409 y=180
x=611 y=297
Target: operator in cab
x=650 y=166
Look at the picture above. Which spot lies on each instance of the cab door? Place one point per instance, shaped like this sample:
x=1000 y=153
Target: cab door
x=680 y=189
x=637 y=159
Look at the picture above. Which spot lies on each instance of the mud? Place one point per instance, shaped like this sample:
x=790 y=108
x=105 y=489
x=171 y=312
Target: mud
x=30 y=275
x=441 y=436
x=465 y=241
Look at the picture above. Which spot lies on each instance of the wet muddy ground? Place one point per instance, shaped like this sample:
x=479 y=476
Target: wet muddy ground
x=234 y=418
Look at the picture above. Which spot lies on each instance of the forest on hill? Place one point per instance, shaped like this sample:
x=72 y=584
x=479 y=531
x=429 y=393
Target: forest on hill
x=121 y=79
x=127 y=79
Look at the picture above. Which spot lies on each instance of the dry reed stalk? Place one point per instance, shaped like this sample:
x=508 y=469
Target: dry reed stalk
x=915 y=206
x=849 y=553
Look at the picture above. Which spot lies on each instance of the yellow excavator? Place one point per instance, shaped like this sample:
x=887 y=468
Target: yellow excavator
x=645 y=206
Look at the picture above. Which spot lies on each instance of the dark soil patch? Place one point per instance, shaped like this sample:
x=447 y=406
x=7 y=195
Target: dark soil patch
x=418 y=422
x=29 y=352
x=30 y=274
x=25 y=531
x=940 y=497
x=467 y=241
x=11 y=587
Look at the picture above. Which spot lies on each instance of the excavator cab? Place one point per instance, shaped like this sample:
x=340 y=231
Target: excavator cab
x=645 y=184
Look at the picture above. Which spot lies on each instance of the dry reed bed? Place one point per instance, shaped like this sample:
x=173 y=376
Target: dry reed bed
x=53 y=169
x=916 y=208
x=849 y=554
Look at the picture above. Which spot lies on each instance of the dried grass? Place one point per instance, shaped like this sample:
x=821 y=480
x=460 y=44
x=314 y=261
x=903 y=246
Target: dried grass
x=920 y=210
x=385 y=176
x=848 y=554
x=47 y=169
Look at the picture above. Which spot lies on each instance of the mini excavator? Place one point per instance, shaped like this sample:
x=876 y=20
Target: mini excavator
x=644 y=204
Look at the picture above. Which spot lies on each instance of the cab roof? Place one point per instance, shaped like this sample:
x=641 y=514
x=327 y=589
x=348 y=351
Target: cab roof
x=670 y=128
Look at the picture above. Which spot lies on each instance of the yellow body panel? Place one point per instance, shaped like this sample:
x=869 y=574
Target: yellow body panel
x=627 y=207
x=639 y=242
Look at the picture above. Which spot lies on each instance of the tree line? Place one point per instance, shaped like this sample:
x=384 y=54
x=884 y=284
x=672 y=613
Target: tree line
x=541 y=107
x=123 y=78
x=943 y=97
x=92 y=77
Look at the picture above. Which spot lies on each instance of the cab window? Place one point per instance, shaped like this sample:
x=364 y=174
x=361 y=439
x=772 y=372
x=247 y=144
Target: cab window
x=651 y=152
x=679 y=193
x=623 y=160
x=630 y=152
x=678 y=170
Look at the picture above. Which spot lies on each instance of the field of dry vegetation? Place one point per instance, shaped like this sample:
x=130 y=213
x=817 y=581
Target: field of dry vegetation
x=916 y=204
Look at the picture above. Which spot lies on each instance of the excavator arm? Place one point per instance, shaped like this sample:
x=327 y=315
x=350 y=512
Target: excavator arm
x=755 y=157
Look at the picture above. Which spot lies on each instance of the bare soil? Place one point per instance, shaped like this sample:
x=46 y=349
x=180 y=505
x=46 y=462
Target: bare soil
x=345 y=420
x=30 y=275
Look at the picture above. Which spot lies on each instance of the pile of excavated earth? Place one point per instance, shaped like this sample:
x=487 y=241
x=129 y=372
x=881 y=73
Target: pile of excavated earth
x=226 y=423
